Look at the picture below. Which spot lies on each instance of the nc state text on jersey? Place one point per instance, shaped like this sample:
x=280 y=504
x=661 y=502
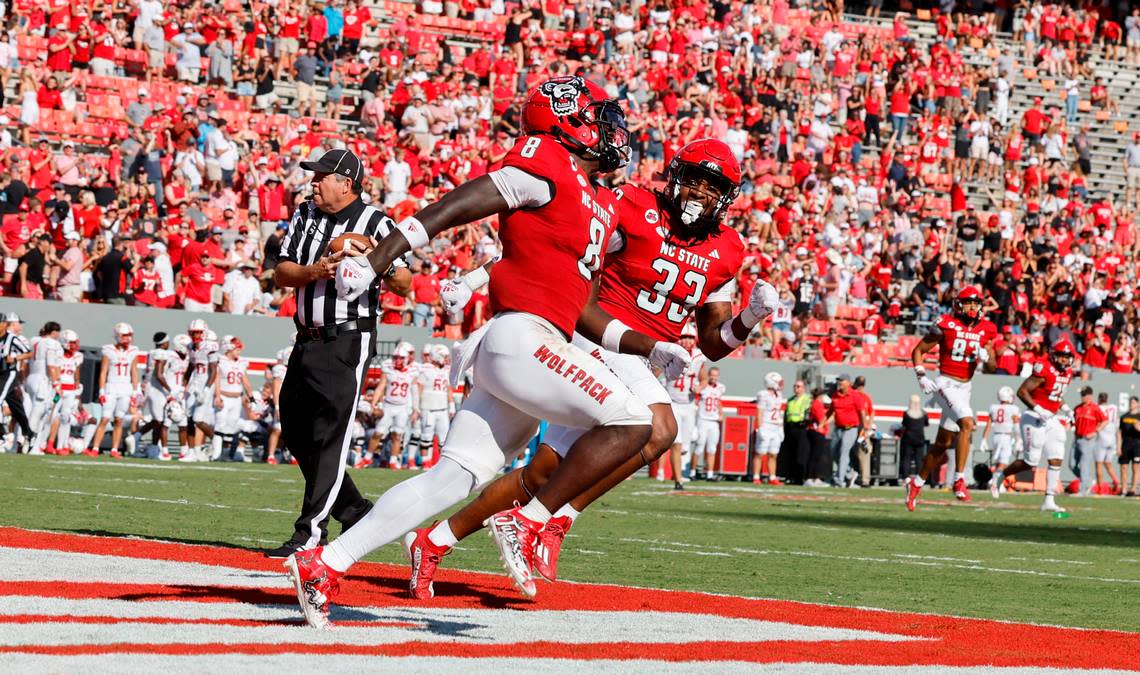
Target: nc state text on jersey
x=572 y=372
x=685 y=256
x=599 y=211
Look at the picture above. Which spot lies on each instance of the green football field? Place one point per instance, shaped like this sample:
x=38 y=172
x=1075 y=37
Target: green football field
x=999 y=560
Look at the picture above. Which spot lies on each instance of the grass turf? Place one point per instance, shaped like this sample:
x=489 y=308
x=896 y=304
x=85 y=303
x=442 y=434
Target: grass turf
x=1003 y=560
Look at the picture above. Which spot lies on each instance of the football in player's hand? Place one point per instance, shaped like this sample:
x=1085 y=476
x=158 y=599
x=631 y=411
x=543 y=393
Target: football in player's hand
x=357 y=244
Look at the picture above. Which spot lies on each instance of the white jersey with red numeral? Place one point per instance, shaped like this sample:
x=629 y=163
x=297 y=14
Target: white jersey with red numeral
x=684 y=389
x=770 y=406
x=1002 y=417
x=46 y=352
x=176 y=367
x=201 y=356
x=961 y=346
x=69 y=365
x=119 y=364
x=231 y=375
x=398 y=386
x=436 y=393
x=153 y=358
x=1107 y=435
x=708 y=401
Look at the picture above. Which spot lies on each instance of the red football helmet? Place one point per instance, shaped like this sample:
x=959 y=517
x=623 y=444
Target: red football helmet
x=1063 y=349
x=708 y=167
x=582 y=117
x=969 y=295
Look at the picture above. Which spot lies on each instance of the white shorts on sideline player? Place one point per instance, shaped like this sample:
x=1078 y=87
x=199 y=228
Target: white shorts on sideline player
x=154 y=406
x=116 y=404
x=708 y=436
x=200 y=407
x=1001 y=449
x=632 y=370
x=396 y=419
x=228 y=418
x=524 y=370
x=954 y=399
x=768 y=440
x=1041 y=437
x=434 y=424
x=686 y=415
x=1105 y=448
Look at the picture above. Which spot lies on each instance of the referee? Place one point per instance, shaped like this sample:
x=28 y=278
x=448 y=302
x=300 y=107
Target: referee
x=336 y=339
x=14 y=350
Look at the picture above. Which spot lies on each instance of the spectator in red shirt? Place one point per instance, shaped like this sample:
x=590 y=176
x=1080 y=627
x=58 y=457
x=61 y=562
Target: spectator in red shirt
x=848 y=410
x=834 y=349
x=1097 y=346
x=425 y=290
x=146 y=283
x=392 y=308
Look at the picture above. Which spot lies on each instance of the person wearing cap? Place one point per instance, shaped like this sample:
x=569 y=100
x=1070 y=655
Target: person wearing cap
x=189 y=44
x=848 y=411
x=33 y=266
x=1088 y=421
x=305 y=77
x=14 y=350
x=70 y=264
x=221 y=156
x=241 y=293
x=335 y=341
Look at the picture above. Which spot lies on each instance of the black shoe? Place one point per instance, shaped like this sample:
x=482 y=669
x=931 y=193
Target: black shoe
x=677 y=486
x=288 y=548
x=715 y=478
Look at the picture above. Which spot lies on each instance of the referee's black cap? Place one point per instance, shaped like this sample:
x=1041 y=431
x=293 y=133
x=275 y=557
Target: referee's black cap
x=340 y=162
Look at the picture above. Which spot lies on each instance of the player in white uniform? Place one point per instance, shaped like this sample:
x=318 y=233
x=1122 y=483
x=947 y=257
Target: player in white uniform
x=118 y=384
x=273 y=423
x=231 y=391
x=682 y=391
x=156 y=393
x=174 y=413
x=42 y=381
x=770 y=407
x=393 y=398
x=433 y=388
x=1106 y=440
x=199 y=384
x=70 y=362
x=1004 y=419
x=709 y=416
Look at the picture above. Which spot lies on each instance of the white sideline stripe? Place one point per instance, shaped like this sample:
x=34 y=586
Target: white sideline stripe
x=21 y=564
x=151 y=465
x=156 y=500
x=1053 y=560
x=83 y=477
x=698 y=549
x=275 y=664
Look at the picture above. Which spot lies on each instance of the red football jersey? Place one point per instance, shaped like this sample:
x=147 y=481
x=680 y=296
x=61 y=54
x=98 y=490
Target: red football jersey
x=959 y=345
x=1050 y=394
x=652 y=285
x=550 y=253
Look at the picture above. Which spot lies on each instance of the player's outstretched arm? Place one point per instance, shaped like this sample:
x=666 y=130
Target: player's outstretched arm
x=456 y=294
x=1025 y=391
x=719 y=333
x=924 y=346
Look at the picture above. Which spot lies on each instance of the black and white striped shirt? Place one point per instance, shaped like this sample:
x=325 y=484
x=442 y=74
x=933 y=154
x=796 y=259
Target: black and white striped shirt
x=308 y=239
x=12 y=345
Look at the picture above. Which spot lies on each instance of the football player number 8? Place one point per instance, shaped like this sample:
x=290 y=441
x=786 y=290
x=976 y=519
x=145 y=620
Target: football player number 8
x=655 y=302
x=530 y=147
x=591 y=260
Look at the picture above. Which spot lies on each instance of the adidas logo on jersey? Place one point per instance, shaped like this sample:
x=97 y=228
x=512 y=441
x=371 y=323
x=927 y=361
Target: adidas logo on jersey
x=715 y=254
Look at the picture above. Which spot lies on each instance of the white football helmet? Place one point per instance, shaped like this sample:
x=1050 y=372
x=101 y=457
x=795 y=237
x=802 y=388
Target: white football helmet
x=198 y=326
x=440 y=354
x=175 y=413
x=774 y=381
x=231 y=342
x=123 y=333
x=364 y=407
x=283 y=355
x=1005 y=395
x=406 y=349
x=70 y=340
x=211 y=336
x=182 y=343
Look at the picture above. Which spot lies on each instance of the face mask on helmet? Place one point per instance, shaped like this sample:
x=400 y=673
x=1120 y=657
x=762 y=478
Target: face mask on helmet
x=614 y=144
x=970 y=308
x=699 y=197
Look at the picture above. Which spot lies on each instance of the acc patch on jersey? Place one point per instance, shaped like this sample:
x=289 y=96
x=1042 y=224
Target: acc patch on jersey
x=651 y=216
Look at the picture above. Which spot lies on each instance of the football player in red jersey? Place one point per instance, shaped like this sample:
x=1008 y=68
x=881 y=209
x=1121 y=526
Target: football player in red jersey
x=554 y=224
x=961 y=339
x=670 y=256
x=1043 y=426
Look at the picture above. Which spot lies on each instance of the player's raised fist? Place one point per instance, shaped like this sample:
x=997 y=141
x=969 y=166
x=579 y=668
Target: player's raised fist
x=672 y=359
x=454 y=295
x=764 y=299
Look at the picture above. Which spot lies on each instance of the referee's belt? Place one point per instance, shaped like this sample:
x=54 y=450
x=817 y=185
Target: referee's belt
x=306 y=334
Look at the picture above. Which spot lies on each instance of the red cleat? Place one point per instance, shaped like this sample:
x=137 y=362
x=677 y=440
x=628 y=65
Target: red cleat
x=775 y=481
x=912 y=491
x=91 y=453
x=549 y=546
x=960 y=491
x=316 y=585
x=270 y=459
x=425 y=557
x=515 y=535
x=363 y=463
x=115 y=454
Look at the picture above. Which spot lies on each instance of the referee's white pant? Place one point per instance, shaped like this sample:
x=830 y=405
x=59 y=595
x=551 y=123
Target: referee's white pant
x=318 y=403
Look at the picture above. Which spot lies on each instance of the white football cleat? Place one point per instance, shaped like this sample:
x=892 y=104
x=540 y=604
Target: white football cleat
x=1050 y=505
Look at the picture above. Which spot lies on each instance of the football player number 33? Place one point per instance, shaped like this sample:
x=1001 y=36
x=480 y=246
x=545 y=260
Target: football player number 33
x=657 y=300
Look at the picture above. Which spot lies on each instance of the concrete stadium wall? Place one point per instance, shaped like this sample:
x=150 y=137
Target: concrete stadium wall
x=262 y=335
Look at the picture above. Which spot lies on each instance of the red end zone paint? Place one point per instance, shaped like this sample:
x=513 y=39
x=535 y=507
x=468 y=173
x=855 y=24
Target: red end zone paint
x=947 y=641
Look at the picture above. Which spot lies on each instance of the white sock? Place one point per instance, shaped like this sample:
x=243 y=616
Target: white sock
x=918 y=481
x=1052 y=477
x=536 y=511
x=959 y=474
x=999 y=475
x=400 y=509
x=568 y=511
x=441 y=535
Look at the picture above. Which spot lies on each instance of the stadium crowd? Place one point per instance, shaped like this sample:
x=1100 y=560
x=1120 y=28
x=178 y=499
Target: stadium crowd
x=151 y=153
